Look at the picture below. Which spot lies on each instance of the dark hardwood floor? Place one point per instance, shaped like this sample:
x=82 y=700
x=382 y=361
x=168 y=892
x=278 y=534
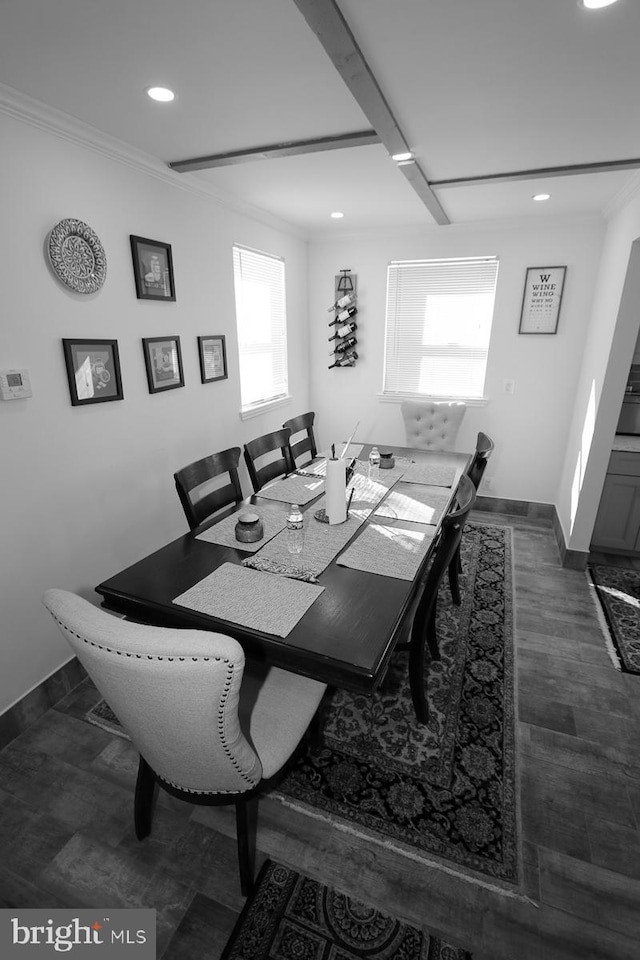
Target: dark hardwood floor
x=67 y=839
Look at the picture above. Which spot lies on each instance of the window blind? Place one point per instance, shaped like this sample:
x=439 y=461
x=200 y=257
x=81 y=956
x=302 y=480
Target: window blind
x=261 y=322
x=438 y=325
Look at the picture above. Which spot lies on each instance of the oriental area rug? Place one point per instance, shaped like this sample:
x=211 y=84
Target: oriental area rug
x=292 y=917
x=445 y=792
x=618 y=593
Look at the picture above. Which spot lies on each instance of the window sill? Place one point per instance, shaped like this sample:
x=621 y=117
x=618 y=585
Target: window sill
x=265 y=407
x=398 y=398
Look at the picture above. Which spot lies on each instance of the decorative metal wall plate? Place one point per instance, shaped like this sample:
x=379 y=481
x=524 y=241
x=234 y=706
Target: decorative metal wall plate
x=77 y=256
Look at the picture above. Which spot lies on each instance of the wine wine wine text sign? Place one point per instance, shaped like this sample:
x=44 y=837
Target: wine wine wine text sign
x=541 y=300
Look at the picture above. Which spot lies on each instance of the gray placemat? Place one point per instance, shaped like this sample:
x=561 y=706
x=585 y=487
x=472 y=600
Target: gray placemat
x=274 y=519
x=260 y=601
x=293 y=489
x=415 y=502
x=388 y=550
x=434 y=474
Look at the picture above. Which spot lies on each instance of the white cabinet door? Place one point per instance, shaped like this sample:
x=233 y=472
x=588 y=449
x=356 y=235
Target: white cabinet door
x=618 y=522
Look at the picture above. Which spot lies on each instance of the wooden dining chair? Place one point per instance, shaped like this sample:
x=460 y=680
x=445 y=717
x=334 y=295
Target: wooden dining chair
x=307 y=445
x=423 y=625
x=484 y=448
x=199 y=500
x=210 y=727
x=260 y=447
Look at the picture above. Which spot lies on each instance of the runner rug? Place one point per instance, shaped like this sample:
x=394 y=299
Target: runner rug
x=292 y=917
x=618 y=593
x=445 y=792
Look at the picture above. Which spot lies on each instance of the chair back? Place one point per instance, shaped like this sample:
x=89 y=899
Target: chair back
x=432 y=424
x=307 y=445
x=198 y=500
x=175 y=693
x=260 y=447
x=484 y=449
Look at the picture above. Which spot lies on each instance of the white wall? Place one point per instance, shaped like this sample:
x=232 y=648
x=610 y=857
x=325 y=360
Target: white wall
x=530 y=427
x=86 y=491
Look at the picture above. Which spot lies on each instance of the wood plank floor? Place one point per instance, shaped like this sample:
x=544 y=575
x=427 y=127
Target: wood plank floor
x=66 y=832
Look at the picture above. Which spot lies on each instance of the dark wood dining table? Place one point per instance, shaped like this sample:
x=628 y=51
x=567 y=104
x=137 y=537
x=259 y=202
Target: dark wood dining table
x=345 y=638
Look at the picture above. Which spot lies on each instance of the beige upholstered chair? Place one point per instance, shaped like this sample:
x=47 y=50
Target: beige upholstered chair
x=209 y=727
x=432 y=424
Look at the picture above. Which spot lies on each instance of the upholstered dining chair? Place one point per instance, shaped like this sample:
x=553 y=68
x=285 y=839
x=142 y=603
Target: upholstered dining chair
x=260 y=447
x=432 y=424
x=422 y=621
x=306 y=445
x=199 y=501
x=210 y=727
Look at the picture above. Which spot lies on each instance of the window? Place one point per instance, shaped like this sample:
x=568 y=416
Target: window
x=438 y=325
x=262 y=327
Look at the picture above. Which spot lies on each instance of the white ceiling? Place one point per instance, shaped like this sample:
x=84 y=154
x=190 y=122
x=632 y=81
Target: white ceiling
x=477 y=87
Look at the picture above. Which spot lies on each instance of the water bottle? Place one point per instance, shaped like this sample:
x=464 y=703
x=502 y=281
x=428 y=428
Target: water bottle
x=295 y=530
x=374 y=464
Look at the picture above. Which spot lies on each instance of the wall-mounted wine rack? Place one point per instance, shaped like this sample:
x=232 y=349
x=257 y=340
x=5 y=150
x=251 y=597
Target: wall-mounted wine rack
x=344 y=325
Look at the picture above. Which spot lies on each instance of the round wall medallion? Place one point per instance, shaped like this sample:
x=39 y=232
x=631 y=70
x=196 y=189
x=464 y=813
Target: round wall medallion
x=77 y=256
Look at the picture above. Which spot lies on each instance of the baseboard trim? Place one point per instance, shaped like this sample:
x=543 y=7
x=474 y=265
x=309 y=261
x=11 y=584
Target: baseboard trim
x=519 y=508
x=16 y=719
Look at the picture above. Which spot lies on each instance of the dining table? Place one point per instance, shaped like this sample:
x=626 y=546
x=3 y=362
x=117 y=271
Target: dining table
x=333 y=613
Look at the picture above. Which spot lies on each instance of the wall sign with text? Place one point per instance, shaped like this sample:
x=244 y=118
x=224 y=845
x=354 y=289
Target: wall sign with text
x=541 y=300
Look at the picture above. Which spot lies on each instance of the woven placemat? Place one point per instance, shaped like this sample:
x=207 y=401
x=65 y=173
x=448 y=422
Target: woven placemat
x=433 y=474
x=274 y=519
x=415 y=502
x=293 y=489
x=390 y=550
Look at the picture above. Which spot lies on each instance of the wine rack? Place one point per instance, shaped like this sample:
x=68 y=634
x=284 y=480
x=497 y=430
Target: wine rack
x=343 y=328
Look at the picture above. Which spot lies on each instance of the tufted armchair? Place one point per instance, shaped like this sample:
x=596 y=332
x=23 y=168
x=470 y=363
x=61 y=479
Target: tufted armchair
x=210 y=728
x=432 y=424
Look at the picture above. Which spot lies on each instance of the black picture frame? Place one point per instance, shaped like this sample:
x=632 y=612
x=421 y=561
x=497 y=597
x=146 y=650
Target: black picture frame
x=93 y=371
x=541 y=300
x=163 y=363
x=152 y=269
x=212 y=352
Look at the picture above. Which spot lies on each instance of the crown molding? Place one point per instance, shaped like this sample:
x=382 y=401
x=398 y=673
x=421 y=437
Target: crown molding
x=624 y=195
x=55 y=122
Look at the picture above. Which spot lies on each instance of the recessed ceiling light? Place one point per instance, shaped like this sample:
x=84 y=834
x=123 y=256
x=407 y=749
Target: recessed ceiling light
x=541 y=196
x=162 y=94
x=399 y=157
x=595 y=4
x=405 y=163
x=337 y=215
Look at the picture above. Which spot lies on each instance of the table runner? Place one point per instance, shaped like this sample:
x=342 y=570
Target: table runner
x=420 y=504
x=259 y=601
x=389 y=550
x=272 y=514
x=293 y=489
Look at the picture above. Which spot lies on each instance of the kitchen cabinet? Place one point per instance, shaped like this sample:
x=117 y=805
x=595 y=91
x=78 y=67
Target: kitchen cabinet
x=617 y=526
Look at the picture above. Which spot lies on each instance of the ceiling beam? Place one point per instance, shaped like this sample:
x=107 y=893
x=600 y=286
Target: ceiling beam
x=327 y=22
x=540 y=173
x=290 y=148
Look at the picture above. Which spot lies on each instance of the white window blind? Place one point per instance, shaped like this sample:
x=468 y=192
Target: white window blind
x=438 y=325
x=261 y=319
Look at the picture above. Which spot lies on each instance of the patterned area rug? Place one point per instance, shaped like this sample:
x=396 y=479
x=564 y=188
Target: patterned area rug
x=292 y=917
x=448 y=790
x=618 y=591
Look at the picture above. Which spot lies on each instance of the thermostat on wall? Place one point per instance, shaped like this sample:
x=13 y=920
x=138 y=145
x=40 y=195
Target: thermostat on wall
x=15 y=384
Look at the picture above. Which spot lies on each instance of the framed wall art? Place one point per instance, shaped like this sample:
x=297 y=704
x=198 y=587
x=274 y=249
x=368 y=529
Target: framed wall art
x=541 y=299
x=163 y=361
x=213 y=358
x=93 y=371
x=152 y=269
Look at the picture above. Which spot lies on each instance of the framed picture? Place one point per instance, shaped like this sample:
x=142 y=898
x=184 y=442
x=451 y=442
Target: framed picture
x=541 y=299
x=163 y=360
x=152 y=269
x=93 y=371
x=213 y=358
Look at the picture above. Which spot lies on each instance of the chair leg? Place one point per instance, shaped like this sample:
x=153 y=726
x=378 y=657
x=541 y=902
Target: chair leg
x=417 y=681
x=455 y=568
x=246 y=823
x=144 y=798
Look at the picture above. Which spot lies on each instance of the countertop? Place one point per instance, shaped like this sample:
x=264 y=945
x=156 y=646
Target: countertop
x=626 y=443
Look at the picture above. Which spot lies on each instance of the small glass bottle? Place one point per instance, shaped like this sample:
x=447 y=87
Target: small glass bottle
x=295 y=529
x=374 y=464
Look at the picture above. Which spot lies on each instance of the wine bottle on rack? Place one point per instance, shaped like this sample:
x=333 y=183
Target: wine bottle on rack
x=344 y=331
x=344 y=315
x=348 y=360
x=345 y=345
x=342 y=302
